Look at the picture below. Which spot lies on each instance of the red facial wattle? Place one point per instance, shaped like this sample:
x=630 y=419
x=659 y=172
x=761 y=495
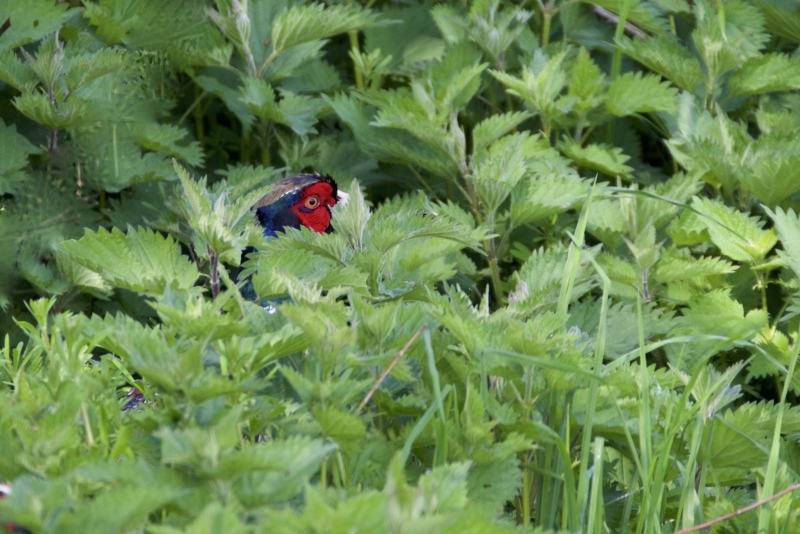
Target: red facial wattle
x=314 y=207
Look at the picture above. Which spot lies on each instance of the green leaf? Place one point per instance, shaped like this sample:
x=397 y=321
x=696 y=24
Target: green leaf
x=766 y=74
x=604 y=158
x=788 y=226
x=494 y=127
x=632 y=93
x=643 y=14
x=168 y=139
x=17 y=73
x=344 y=428
x=37 y=106
x=32 y=20
x=491 y=485
x=496 y=171
x=300 y=112
x=545 y=196
x=117 y=509
x=540 y=84
x=302 y=24
x=14 y=152
x=666 y=57
x=259 y=97
x=674 y=269
x=142 y=261
x=688 y=229
x=781 y=21
x=774 y=176
x=737 y=236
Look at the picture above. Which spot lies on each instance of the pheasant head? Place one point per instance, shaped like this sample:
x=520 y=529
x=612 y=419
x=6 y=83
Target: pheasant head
x=299 y=200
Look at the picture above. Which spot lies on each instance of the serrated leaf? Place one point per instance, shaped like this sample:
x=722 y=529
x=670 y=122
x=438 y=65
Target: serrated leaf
x=168 y=139
x=31 y=20
x=299 y=112
x=14 y=149
x=259 y=97
x=141 y=260
x=540 y=84
x=604 y=158
x=788 y=226
x=781 y=21
x=643 y=14
x=688 y=229
x=666 y=57
x=774 y=176
x=17 y=73
x=632 y=93
x=544 y=196
x=675 y=269
x=492 y=484
x=494 y=127
x=737 y=236
x=37 y=106
x=342 y=427
x=766 y=74
x=302 y=24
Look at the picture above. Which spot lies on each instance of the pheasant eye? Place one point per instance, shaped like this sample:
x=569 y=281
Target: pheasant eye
x=312 y=202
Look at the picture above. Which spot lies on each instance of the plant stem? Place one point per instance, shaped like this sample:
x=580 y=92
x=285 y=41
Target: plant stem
x=213 y=269
x=498 y=292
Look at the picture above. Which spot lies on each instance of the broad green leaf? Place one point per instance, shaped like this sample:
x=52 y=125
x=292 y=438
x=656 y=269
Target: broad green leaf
x=302 y=24
x=494 y=127
x=632 y=93
x=788 y=226
x=37 y=106
x=674 y=269
x=766 y=74
x=344 y=428
x=17 y=73
x=168 y=139
x=31 y=20
x=781 y=21
x=737 y=236
x=259 y=97
x=141 y=260
x=14 y=152
x=774 y=177
x=606 y=159
x=541 y=83
x=641 y=13
x=666 y=57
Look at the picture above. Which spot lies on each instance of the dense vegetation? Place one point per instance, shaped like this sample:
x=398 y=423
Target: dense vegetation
x=572 y=225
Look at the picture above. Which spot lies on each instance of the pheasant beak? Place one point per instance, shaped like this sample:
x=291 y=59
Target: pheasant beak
x=342 y=197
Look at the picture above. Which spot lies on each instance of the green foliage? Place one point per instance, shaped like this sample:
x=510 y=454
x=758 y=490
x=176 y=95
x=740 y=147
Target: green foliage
x=563 y=293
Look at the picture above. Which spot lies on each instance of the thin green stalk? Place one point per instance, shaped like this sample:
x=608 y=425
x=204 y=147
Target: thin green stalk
x=353 y=35
x=645 y=426
x=599 y=353
x=548 y=16
x=595 y=521
x=526 y=492
x=498 y=290
x=574 y=257
x=772 y=466
x=440 y=452
x=87 y=425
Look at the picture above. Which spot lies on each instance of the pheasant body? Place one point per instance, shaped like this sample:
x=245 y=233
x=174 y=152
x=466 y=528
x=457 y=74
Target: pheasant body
x=297 y=201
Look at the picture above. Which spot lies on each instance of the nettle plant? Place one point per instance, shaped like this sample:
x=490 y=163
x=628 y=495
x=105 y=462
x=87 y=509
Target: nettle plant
x=562 y=295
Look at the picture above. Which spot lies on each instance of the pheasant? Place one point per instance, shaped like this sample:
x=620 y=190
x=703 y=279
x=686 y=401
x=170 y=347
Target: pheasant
x=296 y=201
x=299 y=200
